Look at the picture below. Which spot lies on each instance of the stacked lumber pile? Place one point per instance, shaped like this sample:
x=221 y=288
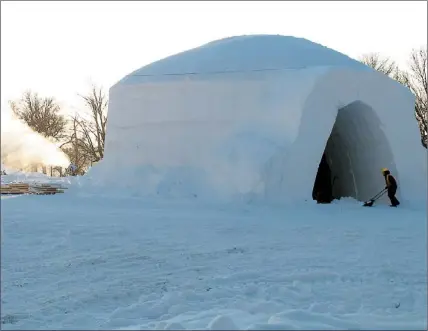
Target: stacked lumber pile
x=16 y=188
x=46 y=189
x=26 y=188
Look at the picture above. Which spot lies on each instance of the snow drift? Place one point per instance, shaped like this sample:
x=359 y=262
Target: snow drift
x=253 y=115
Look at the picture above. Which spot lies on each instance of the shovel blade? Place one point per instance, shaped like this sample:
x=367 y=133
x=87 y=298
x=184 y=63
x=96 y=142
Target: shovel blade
x=368 y=203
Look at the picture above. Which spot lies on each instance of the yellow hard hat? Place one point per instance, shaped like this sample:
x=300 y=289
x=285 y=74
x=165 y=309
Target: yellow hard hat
x=384 y=170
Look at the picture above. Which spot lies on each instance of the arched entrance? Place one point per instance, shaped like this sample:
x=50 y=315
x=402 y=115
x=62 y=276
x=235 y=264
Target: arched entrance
x=355 y=152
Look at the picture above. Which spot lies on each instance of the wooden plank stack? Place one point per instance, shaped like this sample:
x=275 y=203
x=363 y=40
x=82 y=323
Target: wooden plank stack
x=16 y=188
x=26 y=188
x=46 y=189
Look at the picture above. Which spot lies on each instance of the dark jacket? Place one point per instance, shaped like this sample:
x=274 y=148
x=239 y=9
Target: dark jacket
x=390 y=181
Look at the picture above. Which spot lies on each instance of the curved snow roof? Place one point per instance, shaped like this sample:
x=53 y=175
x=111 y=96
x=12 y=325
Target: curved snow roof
x=247 y=53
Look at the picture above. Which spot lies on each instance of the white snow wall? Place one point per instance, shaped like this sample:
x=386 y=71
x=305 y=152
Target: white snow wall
x=375 y=116
x=259 y=133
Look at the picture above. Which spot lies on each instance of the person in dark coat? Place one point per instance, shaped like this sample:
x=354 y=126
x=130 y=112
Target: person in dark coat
x=322 y=191
x=391 y=186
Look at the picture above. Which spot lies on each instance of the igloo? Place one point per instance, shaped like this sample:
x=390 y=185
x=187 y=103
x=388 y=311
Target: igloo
x=256 y=115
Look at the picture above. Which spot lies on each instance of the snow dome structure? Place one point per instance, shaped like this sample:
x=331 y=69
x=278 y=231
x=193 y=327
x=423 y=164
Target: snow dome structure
x=255 y=115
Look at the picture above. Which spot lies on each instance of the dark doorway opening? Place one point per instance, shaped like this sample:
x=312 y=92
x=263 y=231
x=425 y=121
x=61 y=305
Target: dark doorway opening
x=323 y=186
x=354 y=155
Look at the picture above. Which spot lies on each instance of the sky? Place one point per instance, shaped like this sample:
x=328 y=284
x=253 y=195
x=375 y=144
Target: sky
x=60 y=48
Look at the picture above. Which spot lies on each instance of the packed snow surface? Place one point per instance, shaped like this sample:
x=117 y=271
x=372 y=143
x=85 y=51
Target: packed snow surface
x=82 y=261
x=246 y=53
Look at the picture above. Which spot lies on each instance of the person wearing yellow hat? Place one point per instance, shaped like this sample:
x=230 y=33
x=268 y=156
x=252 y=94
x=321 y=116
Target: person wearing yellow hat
x=391 y=186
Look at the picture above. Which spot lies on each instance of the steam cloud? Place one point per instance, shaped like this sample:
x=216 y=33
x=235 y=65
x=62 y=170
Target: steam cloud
x=21 y=146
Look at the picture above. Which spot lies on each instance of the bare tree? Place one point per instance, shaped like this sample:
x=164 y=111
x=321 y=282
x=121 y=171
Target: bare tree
x=86 y=138
x=94 y=128
x=415 y=80
x=419 y=86
x=379 y=63
x=75 y=147
x=41 y=114
x=402 y=77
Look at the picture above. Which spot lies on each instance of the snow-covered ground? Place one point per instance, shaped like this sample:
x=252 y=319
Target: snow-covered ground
x=22 y=177
x=82 y=261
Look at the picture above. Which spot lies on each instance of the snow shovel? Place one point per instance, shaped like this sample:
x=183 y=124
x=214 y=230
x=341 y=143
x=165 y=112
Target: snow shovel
x=372 y=200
